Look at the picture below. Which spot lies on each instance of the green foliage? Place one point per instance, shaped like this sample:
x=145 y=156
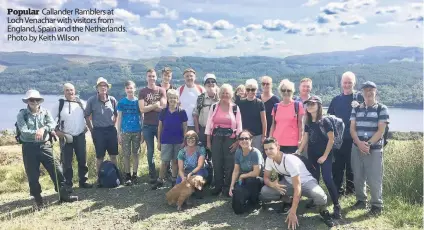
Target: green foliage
x=399 y=83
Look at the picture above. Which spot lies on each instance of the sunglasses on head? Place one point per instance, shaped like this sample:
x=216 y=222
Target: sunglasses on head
x=266 y=83
x=244 y=138
x=210 y=82
x=34 y=100
x=250 y=90
x=286 y=90
x=269 y=140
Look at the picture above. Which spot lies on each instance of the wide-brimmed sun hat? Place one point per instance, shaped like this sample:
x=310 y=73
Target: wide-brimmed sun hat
x=102 y=80
x=32 y=93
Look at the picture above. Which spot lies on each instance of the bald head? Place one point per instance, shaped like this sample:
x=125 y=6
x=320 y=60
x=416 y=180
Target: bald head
x=348 y=82
x=69 y=91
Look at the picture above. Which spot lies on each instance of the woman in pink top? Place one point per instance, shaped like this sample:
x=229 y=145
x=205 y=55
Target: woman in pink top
x=287 y=126
x=224 y=123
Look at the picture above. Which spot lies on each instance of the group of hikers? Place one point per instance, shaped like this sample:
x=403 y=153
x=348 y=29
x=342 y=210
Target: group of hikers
x=235 y=139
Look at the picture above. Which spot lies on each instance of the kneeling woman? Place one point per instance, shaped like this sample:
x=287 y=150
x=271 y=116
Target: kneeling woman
x=191 y=158
x=246 y=183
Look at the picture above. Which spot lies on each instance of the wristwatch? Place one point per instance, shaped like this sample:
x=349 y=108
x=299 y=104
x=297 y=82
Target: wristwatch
x=369 y=143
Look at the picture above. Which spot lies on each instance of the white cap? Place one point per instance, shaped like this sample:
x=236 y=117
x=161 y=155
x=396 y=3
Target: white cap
x=209 y=76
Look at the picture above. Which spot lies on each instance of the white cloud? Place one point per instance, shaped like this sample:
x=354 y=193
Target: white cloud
x=388 y=24
x=388 y=10
x=416 y=5
x=167 y=14
x=185 y=37
x=213 y=34
x=325 y=18
x=278 y=25
x=104 y=4
x=313 y=30
x=346 y=6
x=270 y=43
x=357 y=37
x=151 y=2
x=223 y=46
x=222 y=25
x=126 y=16
x=334 y=8
x=252 y=27
x=350 y=20
x=198 y=24
x=163 y=30
x=310 y=3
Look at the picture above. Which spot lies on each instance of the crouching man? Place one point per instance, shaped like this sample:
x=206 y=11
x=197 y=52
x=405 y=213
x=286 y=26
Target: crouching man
x=296 y=181
x=36 y=125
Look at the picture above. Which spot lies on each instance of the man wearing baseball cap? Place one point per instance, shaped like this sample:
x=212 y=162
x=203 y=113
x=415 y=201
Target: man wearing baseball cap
x=102 y=109
x=368 y=124
x=36 y=127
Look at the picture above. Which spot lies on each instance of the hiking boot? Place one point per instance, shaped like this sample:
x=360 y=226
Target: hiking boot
x=152 y=180
x=85 y=185
x=68 y=198
x=360 y=205
x=128 y=182
x=39 y=203
x=375 y=211
x=337 y=212
x=158 y=184
x=285 y=209
x=134 y=178
x=68 y=188
x=311 y=204
x=327 y=218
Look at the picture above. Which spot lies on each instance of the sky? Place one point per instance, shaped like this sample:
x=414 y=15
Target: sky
x=218 y=28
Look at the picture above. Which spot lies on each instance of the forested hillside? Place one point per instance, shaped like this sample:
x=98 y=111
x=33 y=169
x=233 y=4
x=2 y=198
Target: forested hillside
x=398 y=71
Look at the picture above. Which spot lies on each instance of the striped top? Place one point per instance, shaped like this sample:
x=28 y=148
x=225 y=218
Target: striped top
x=367 y=121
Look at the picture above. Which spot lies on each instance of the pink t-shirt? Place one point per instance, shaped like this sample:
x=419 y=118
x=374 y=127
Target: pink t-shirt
x=221 y=118
x=286 y=129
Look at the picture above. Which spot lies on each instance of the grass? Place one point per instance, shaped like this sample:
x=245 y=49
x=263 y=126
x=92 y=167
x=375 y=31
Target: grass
x=138 y=207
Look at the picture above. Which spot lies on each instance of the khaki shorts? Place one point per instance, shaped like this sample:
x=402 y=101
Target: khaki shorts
x=169 y=152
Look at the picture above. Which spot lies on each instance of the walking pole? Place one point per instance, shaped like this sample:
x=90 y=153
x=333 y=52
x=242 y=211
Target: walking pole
x=54 y=165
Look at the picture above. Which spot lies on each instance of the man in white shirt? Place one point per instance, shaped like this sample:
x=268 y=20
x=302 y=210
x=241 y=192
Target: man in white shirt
x=188 y=95
x=71 y=129
x=296 y=181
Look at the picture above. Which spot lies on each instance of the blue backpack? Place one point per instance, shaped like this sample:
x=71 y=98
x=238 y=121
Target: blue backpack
x=109 y=176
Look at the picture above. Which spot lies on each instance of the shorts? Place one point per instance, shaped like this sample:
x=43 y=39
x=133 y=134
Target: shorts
x=105 y=139
x=130 y=143
x=169 y=152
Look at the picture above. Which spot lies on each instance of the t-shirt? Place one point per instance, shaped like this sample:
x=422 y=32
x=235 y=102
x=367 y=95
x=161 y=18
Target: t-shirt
x=172 y=126
x=191 y=161
x=367 y=121
x=254 y=157
x=317 y=141
x=188 y=101
x=286 y=129
x=293 y=166
x=221 y=119
x=102 y=112
x=269 y=105
x=150 y=97
x=130 y=115
x=341 y=106
x=251 y=115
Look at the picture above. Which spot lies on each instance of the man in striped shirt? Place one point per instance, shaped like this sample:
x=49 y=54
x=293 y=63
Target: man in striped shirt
x=368 y=123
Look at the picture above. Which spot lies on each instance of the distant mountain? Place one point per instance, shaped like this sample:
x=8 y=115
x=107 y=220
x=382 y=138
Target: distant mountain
x=392 y=68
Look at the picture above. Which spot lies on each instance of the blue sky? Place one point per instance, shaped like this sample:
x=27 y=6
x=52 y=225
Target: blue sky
x=216 y=28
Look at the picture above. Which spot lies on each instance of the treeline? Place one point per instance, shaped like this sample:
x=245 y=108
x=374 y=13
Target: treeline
x=400 y=83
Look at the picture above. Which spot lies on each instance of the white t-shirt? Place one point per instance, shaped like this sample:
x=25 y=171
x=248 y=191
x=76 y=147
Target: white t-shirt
x=188 y=101
x=293 y=166
x=72 y=116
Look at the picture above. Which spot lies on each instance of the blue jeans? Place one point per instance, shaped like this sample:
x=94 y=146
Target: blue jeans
x=327 y=174
x=149 y=133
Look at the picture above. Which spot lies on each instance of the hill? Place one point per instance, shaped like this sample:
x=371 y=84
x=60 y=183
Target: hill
x=397 y=70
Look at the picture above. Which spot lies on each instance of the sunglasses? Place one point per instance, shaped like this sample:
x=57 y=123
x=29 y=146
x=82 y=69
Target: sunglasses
x=210 y=82
x=244 y=138
x=251 y=90
x=286 y=90
x=190 y=138
x=265 y=83
x=34 y=100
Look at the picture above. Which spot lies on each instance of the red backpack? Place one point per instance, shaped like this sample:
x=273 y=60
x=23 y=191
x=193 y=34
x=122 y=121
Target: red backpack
x=199 y=88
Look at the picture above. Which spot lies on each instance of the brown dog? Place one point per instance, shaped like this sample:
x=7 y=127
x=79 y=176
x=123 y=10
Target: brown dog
x=181 y=192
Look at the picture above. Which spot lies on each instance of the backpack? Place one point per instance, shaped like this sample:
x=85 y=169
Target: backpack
x=234 y=109
x=309 y=166
x=62 y=103
x=197 y=86
x=199 y=102
x=296 y=109
x=109 y=176
x=18 y=131
x=338 y=127
x=386 y=131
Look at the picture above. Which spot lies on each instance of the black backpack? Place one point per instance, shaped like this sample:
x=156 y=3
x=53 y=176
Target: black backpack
x=386 y=131
x=109 y=175
x=62 y=103
x=296 y=109
x=338 y=129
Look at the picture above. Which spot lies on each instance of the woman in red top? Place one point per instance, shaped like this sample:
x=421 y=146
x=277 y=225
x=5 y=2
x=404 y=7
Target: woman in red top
x=287 y=126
